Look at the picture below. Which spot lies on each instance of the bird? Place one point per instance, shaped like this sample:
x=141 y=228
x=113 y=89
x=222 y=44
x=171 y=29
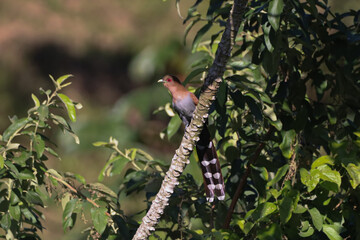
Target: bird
x=184 y=103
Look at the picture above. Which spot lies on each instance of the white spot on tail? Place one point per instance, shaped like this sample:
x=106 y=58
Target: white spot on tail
x=213 y=161
x=221 y=197
x=210 y=144
x=218 y=186
x=208 y=175
x=211 y=186
x=205 y=163
x=210 y=199
x=216 y=175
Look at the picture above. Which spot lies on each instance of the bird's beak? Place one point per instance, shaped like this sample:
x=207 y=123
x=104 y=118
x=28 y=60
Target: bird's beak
x=161 y=81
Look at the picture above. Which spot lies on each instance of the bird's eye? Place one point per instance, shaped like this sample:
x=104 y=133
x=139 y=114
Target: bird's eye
x=168 y=79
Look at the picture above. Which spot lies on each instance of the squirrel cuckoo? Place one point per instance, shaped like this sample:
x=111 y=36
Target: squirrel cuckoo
x=184 y=103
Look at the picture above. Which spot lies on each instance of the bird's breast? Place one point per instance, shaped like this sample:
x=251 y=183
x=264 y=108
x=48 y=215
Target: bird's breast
x=184 y=106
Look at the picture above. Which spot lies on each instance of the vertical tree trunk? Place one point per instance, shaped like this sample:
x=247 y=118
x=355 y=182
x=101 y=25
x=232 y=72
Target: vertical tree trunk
x=192 y=132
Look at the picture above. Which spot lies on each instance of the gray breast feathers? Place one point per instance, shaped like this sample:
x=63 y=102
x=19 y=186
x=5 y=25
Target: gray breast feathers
x=185 y=108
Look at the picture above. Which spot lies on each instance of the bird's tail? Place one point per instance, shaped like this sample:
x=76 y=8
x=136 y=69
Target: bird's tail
x=210 y=167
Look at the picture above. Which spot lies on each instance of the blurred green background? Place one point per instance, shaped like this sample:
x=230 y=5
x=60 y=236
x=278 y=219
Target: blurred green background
x=116 y=50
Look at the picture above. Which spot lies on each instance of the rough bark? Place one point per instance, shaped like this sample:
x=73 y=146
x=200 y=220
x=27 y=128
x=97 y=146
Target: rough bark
x=192 y=132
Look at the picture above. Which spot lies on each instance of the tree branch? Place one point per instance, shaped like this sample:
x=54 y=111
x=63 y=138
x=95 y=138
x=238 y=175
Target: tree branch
x=192 y=132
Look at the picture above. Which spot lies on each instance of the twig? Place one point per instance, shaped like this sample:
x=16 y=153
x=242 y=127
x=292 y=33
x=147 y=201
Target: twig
x=240 y=187
x=292 y=170
x=75 y=191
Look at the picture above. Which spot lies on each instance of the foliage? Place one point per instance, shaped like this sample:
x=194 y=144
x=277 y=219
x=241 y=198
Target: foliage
x=286 y=124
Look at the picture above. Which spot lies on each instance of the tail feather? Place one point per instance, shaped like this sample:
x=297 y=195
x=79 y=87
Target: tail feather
x=210 y=167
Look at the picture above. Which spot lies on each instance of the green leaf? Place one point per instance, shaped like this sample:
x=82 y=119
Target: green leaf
x=61 y=79
x=119 y=165
x=188 y=28
x=14 y=128
x=286 y=144
x=221 y=95
x=193 y=74
x=173 y=126
x=36 y=100
x=15 y=212
x=34 y=198
x=29 y=215
x=39 y=145
x=254 y=108
x=322 y=160
x=99 y=218
x=199 y=35
x=286 y=208
x=43 y=112
x=103 y=189
x=331 y=232
x=1 y=161
x=307 y=233
x=60 y=120
x=354 y=173
x=317 y=219
x=69 y=216
x=263 y=210
x=245 y=226
x=267 y=28
x=80 y=178
x=69 y=106
x=26 y=174
x=5 y=222
x=274 y=12
x=327 y=174
x=310 y=179
x=279 y=174
x=300 y=209
x=100 y=144
x=271 y=232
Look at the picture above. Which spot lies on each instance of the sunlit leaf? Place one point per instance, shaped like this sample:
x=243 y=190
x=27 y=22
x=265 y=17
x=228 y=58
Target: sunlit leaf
x=61 y=79
x=36 y=100
x=354 y=173
x=331 y=232
x=322 y=160
x=173 y=126
x=310 y=179
x=316 y=217
x=327 y=174
x=263 y=210
x=69 y=106
x=279 y=175
x=287 y=142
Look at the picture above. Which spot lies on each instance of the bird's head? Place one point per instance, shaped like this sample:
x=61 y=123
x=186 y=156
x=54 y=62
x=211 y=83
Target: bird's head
x=170 y=81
